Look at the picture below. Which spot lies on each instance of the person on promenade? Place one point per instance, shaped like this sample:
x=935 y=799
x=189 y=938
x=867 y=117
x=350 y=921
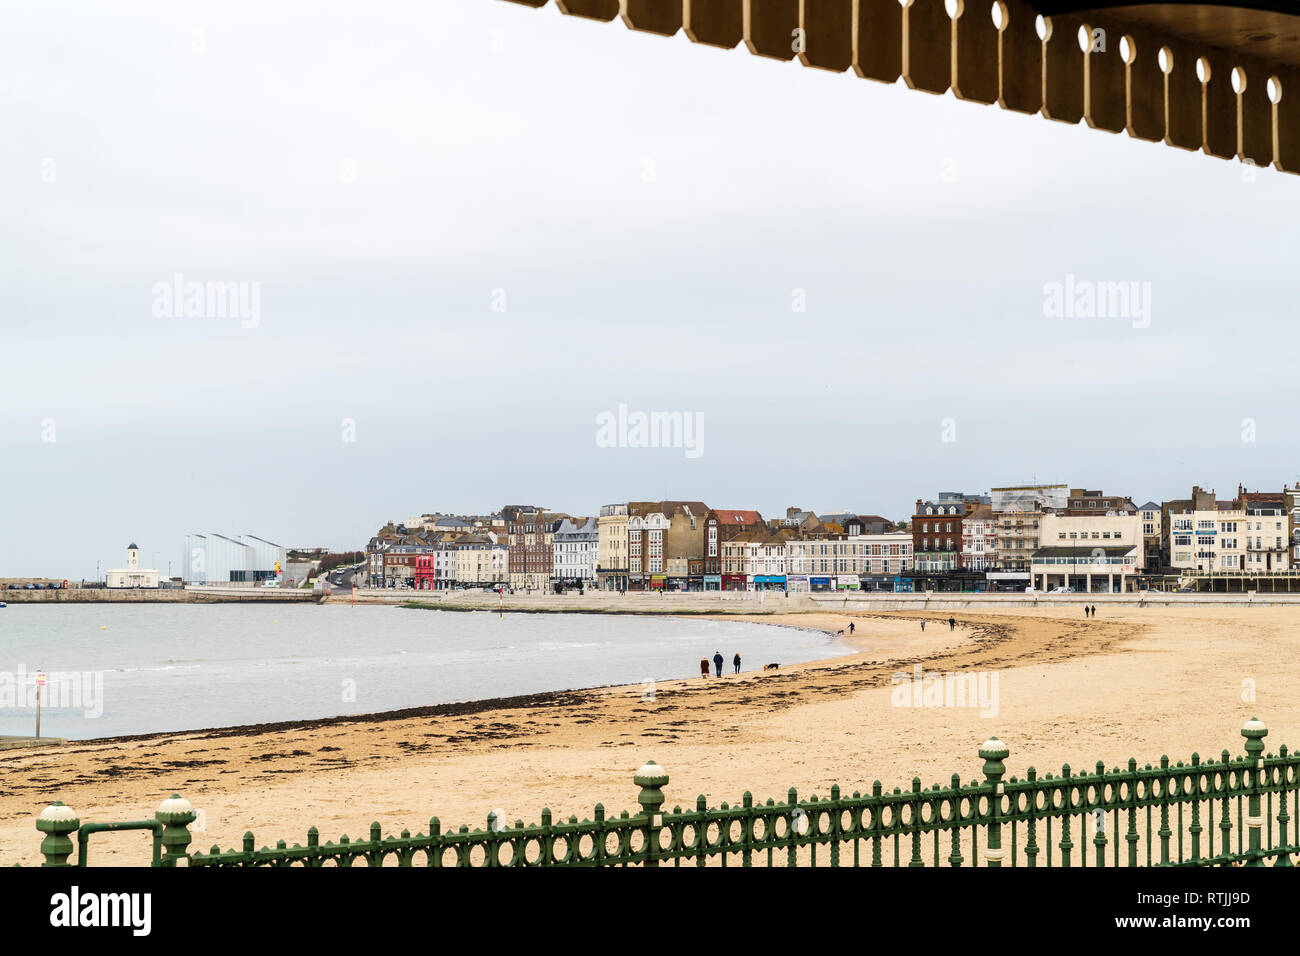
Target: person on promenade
x=718 y=662
x=736 y=660
x=952 y=624
x=704 y=667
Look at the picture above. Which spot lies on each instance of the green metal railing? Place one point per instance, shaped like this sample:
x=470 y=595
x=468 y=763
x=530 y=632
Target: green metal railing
x=1164 y=815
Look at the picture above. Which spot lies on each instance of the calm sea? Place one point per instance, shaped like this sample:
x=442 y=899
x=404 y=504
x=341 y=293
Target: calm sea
x=127 y=669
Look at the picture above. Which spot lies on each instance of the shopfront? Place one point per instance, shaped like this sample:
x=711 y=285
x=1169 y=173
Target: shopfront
x=713 y=582
x=797 y=583
x=658 y=582
x=734 y=582
x=769 y=582
x=819 y=584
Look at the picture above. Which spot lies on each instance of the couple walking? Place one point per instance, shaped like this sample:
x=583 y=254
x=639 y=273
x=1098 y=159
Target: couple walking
x=952 y=623
x=718 y=661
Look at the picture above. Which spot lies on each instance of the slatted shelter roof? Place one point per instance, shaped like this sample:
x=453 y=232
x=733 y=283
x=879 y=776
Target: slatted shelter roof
x=1222 y=78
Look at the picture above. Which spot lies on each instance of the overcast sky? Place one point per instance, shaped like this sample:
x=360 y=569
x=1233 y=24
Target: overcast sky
x=644 y=209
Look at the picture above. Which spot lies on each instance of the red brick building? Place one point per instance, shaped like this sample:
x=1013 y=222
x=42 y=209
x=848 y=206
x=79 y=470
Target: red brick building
x=530 y=539
x=723 y=524
x=936 y=534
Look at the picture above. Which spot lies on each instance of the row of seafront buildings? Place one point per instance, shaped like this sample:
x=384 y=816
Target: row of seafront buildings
x=638 y=546
x=1050 y=536
x=1043 y=536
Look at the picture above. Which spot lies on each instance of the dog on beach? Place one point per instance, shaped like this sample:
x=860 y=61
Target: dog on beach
x=770 y=667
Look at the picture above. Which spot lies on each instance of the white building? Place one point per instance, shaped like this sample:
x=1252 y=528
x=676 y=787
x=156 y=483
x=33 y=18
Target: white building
x=216 y=559
x=1152 y=532
x=886 y=553
x=482 y=560
x=843 y=561
x=444 y=564
x=979 y=540
x=1088 y=552
x=1267 y=532
x=1291 y=496
x=575 y=550
x=1208 y=541
x=132 y=576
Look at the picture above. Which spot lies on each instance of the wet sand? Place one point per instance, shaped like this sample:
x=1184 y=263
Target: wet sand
x=1139 y=683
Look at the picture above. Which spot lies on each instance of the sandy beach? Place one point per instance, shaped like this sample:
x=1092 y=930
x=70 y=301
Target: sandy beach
x=1137 y=682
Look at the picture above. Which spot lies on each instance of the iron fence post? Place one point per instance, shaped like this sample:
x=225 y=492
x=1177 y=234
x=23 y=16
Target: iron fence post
x=1195 y=829
x=877 y=808
x=993 y=753
x=58 y=823
x=1164 y=832
x=1099 y=819
x=175 y=814
x=747 y=801
x=1284 y=857
x=652 y=779
x=795 y=819
x=1066 y=844
x=915 y=823
x=954 y=858
x=1254 y=731
x=1132 y=836
x=835 y=824
x=1031 y=845
x=1225 y=814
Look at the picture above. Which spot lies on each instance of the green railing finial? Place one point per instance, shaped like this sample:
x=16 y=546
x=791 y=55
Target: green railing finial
x=175 y=814
x=1254 y=731
x=993 y=752
x=652 y=779
x=57 y=822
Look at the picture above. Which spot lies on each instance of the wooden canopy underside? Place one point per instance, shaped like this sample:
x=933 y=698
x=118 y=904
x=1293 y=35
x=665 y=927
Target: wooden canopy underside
x=1227 y=84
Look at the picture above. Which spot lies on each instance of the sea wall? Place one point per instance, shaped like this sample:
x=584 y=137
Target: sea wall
x=159 y=596
x=775 y=602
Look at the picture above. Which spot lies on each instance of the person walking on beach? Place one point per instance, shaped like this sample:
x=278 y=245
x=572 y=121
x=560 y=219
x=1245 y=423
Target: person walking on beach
x=952 y=624
x=1094 y=610
x=922 y=624
x=736 y=660
x=704 y=667
x=717 y=662
x=850 y=627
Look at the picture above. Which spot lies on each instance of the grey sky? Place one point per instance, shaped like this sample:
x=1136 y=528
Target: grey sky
x=381 y=170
